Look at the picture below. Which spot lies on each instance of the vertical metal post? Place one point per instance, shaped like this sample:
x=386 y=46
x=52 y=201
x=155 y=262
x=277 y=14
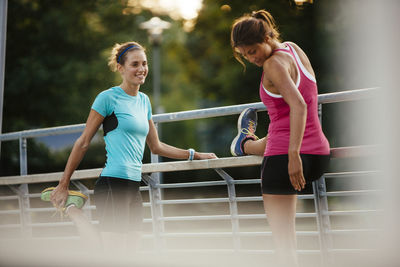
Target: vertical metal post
x=24 y=191
x=156 y=206
x=321 y=208
x=3 y=31
x=323 y=222
x=232 y=207
x=23 y=158
x=156 y=91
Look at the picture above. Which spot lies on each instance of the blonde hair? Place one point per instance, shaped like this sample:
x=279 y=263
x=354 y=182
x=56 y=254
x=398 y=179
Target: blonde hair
x=119 y=52
x=251 y=29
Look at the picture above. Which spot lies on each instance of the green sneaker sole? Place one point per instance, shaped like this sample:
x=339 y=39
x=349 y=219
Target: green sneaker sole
x=74 y=197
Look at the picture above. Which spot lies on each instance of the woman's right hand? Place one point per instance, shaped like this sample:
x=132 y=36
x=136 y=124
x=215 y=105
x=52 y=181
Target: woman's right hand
x=59 y=196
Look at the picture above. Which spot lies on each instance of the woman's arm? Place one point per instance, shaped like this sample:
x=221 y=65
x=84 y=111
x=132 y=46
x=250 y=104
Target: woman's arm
x=279 y=75
x=162 y=149
x=81 y=145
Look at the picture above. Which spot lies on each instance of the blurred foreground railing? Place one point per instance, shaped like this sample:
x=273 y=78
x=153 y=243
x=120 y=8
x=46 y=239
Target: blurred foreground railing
x=238 y=220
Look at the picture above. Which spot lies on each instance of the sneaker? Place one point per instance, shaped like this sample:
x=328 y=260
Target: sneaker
x=74 y=197
x=247 y=124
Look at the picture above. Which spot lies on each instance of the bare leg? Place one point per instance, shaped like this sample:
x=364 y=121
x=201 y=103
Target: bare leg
x=281 y=213
x=86 y=230
x=256 y=147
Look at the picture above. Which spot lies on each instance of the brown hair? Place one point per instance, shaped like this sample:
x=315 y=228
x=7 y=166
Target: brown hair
x=119 y=52
x=251 y=29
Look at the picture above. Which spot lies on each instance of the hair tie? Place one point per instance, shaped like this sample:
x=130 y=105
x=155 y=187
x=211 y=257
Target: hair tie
x=123 y=52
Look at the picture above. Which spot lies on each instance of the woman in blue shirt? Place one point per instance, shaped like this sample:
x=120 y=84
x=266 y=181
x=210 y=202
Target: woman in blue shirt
x=125 y=113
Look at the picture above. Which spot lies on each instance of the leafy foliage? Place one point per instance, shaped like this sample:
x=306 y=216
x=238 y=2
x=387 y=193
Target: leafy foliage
x=57 y=63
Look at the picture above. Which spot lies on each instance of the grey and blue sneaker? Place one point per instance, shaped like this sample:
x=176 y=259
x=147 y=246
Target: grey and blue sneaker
x=247 y=124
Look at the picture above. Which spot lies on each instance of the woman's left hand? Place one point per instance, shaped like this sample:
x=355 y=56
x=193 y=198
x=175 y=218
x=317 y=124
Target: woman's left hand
x=295 y=169
x=200 y=155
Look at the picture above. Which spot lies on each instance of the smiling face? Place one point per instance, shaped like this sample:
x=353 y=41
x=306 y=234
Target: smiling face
x=256 y=53
x=135 y=68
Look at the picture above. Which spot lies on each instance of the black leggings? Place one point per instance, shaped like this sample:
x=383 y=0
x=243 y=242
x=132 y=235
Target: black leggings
x=119 y=204
x=275 y=176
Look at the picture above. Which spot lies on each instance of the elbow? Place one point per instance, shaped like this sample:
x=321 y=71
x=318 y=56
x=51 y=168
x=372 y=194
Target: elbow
x=155 y=149
x=82 y=143
x=299 y=108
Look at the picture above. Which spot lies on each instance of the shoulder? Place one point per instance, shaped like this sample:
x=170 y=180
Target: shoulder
x=275 y=64
x=143 y=96
x=108 y=92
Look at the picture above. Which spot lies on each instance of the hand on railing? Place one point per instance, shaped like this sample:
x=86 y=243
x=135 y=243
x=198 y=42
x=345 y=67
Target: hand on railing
x=200 y=155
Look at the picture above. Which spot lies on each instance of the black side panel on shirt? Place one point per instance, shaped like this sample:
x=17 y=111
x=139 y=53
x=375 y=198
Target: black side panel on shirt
x=110 y=123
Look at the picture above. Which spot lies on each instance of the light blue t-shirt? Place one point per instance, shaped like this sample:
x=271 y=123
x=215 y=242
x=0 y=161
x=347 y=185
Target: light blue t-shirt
x=125 y=126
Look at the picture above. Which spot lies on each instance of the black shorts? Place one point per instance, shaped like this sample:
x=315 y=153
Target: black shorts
x=275 y=176
x=119 y=205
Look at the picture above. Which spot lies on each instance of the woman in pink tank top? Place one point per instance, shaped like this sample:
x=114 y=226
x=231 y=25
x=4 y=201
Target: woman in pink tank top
x=296 y=152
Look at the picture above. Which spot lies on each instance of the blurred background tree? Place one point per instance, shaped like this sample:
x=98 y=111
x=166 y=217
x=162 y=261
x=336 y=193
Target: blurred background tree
x=56 y=64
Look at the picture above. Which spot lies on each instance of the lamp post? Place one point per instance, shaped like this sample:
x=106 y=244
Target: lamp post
x=155 y=26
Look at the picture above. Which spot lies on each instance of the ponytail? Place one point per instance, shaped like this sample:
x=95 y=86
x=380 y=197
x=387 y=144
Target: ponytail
x=269 y=20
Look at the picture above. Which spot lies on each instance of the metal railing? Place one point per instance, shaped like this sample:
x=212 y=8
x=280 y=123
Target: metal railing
x=321 y=230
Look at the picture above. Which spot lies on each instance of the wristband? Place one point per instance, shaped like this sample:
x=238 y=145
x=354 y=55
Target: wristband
x=191 y=154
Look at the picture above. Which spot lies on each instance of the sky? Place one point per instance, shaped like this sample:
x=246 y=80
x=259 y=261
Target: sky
x=176 y=9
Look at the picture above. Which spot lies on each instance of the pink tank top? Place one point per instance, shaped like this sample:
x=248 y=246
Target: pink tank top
x=314 y=141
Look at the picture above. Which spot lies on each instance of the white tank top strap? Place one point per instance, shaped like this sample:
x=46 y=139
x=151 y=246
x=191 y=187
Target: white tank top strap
x=287 y=50
x=300 y=64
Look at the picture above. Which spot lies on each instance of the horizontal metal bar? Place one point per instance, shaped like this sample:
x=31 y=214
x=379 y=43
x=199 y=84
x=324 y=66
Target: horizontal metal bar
x=8 y=197
x=195 y=218
x=352 y=174
x=248 y=181
x=193 y=184
x=350 y=212
x=351 y=250
x=52 y=209
x=353 y=231
x=351 y=193
x=228 y=162
x=9 y=212
x=259 y=198
x=236 y=109
x=230 y=234
x=68 y=129
x=219 y=200
x=57 y=224
x=193 y=201
x=262 y=216
x=228 y=217
x=335 y=97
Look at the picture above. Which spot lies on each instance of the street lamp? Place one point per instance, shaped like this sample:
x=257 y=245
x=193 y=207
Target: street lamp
x=155 y=27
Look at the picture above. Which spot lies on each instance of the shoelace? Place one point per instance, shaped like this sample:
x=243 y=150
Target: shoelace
x=60 y=211
x=250 y=130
